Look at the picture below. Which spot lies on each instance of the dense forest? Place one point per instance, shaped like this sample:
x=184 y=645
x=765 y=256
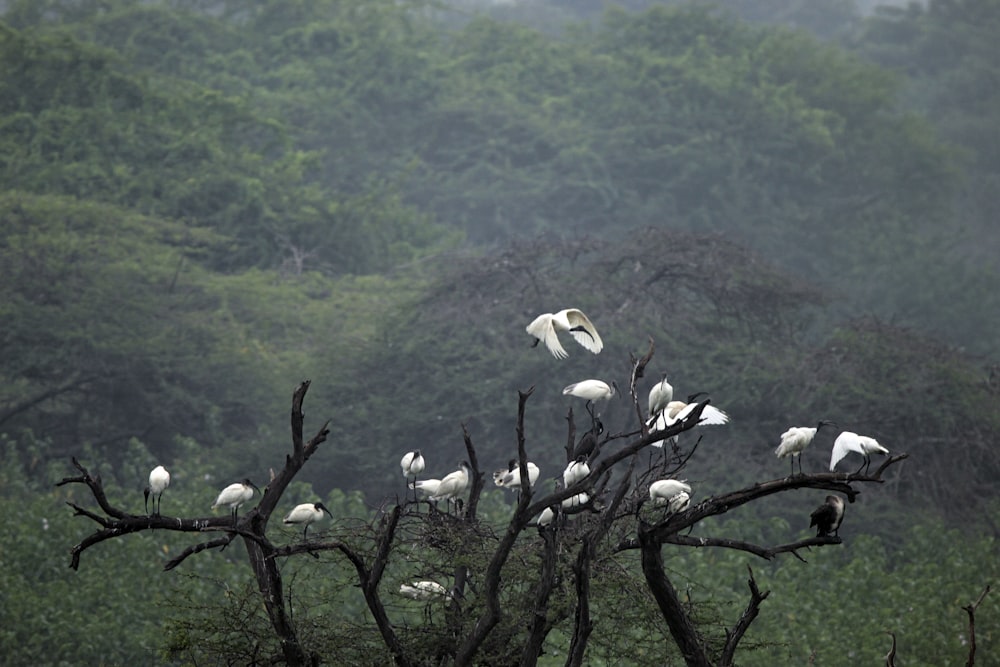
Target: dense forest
x=205 y=202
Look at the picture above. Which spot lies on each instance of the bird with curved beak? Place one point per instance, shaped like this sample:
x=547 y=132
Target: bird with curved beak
x=159 y=479
x=545 y=326
x=235 y=495
x=828 y=516
x=795 y=440
x=305 y=514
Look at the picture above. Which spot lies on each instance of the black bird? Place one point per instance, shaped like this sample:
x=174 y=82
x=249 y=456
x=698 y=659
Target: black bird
x=588 y=445
x=828 y=516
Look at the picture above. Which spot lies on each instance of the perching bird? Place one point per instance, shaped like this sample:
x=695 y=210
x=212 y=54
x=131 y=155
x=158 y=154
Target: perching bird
x=545 y=326
x=661 y=394
x=676 y=411
x=412 y=464
x=575 y=471
x=796 y=439
x=511 y=477
x=453 y=484
x=592 y=390
x=235 y=495
x=159 y=479
x=428 y=488
x=423 y=590
x=546 y=517
x=848 y=442
x=589 y=445
x=305 y=514
x=663 y=491
x=679 y=502
x=828 y=516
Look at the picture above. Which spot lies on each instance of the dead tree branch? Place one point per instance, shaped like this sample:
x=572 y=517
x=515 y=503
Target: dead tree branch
x=971 y=611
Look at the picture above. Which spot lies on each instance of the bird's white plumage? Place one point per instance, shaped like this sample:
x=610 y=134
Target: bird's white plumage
x=546 y=517
x=592 y=390
x=663 y=491
x=545 y=326
x=427 y=487
x=575 y=471
x=159 y=479
x=576 y=501
x=679 y=502
x=848 y=442
x=795 y=440
x=412 y=464
x=452 y=484
x=235 y=495
x=510 y=478
x=661 y=394
x=423 y=590
x=306 y=513
x=676 y=411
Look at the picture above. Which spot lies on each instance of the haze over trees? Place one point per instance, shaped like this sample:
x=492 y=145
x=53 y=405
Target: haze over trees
x=204 y=203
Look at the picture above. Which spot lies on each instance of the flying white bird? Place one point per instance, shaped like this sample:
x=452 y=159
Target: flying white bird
x=511 y=477
x=424 y=590
x=305 y=514
x=412 y=464
x=663 y=491
x=159 y=479
x=796 y=439
x=828 y=516
x=575 y=471
x=661 y=394
x=235 y=495
x=848 y=442
x=545 y=326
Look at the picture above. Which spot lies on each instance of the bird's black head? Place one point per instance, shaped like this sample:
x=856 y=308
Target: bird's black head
x=618 y=392
x=582 y=458
x=511 y=465
x=249 y=483
x=322 y=508
x=824 y=422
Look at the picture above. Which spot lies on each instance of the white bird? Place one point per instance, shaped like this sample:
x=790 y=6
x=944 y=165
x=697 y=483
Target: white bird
x=453 y=484
x=423 y=590
x=828 y=516
x=662 y=491
x=576 y=501
x=159 y=479
x=592 y=390
x=235 y=495
x=796 y=439
x=676 y=411
x=412 y=464
x=575 y=471
x=848 y=442
x=305 y=514
x=546 y=517
x=661 y=394
x=511 y=477
x=545 y=326
x=679 y=502
x=428 y=488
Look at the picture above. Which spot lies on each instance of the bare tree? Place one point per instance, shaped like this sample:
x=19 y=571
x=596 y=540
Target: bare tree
x=492 y=615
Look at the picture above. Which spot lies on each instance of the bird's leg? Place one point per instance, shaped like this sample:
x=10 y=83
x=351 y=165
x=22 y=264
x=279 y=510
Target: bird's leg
x=145 y=500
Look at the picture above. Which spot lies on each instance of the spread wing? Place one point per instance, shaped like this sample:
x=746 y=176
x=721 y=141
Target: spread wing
x=542 y=329
x=583 y=330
